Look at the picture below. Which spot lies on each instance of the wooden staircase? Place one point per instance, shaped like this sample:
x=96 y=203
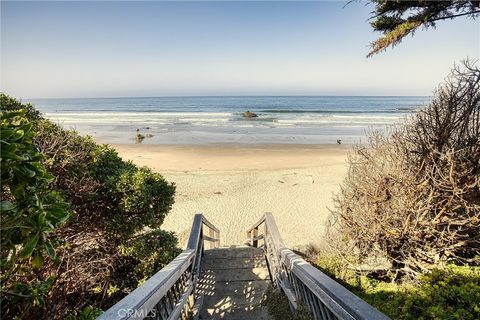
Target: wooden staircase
x=233 y=283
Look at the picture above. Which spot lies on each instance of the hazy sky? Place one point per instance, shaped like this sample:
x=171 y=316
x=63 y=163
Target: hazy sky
x=108 y=49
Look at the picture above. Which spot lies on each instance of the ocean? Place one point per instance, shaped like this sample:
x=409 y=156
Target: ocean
x=219 y=120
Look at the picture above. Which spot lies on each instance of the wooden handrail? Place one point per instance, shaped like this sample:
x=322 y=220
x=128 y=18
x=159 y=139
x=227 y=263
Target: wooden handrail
x=258 y=223
x=198 y=222
x=208 y=224
x=302 y=282
x=169 y=294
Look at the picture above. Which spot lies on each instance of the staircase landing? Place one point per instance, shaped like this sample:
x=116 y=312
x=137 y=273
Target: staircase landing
x=233 y=283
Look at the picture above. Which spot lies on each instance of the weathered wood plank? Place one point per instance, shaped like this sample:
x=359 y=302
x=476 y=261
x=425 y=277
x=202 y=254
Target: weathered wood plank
x=273 y=230
x=210 y=286
x=238 y=274
x=195 y=232
x=233 y=262
x=258 y=223
x=181 y=304
x=211 y=239
x=209 y=224
x=239 y=252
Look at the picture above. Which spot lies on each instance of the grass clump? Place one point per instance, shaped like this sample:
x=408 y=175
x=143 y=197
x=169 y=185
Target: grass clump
x=279 y=308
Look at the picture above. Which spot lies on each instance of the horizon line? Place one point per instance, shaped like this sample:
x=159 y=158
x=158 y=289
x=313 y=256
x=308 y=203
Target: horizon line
x=224 y=96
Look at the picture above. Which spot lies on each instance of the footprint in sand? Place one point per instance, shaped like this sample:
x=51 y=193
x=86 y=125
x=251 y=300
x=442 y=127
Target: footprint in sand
x=295 y=179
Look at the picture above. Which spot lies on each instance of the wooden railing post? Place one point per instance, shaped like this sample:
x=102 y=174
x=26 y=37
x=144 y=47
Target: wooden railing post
x=254 y=234
x=211 y=233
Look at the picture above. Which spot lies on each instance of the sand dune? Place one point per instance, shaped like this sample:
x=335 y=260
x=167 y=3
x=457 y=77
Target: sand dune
x=234 y=185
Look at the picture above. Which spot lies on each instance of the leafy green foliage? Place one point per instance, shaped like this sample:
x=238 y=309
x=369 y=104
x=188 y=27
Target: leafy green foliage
x=107 y=165
x=26 y=294
x=115 y=195
x=450 y=293
x=453 y=293
x=153 y=250
x=87 y=313
x=397 y=19
x=145 y=197
x=9 y=104
x=30 y=212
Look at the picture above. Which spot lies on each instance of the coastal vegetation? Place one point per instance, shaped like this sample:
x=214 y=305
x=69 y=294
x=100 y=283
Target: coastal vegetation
x=406 y=223
x=452 y=292
x=80 y=226
x=278 y=307
x=398 y=19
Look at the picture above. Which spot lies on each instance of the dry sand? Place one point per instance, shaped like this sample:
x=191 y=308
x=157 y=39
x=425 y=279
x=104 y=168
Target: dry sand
x=234 y=185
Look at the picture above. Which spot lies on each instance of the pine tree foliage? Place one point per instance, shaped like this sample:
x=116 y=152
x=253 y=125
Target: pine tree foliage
x=396 y=19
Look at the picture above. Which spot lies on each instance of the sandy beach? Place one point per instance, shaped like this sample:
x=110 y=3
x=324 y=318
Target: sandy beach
x=234 y=185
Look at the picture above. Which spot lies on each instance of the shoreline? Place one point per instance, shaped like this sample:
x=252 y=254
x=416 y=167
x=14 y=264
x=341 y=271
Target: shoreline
x=235 y=145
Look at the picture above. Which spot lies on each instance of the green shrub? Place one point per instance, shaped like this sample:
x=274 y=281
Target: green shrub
x=30 y=213
x=153 y=249
x=118 y=209
x=9 y=104
x=107 y=166
x=145 y=198
x=87 y=313
x=451 y=293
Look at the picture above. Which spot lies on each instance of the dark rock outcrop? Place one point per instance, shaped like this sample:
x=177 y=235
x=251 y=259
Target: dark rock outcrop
x=248 y=114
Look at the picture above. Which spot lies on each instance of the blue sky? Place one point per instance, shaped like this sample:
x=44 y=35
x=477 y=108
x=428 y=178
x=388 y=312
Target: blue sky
x=110 y=49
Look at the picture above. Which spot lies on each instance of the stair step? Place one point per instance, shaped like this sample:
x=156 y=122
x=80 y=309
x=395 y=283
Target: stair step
x=252 y=297
x=234 y=312
x=233 y=283
x=234 y=252
x=232 y=263
x=197 y=307
x=244 y=274
x=245 y=288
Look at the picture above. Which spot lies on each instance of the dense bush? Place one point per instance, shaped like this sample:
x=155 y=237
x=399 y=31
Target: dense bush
x=113 y=240
x=413 y=198
x=30 y=213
